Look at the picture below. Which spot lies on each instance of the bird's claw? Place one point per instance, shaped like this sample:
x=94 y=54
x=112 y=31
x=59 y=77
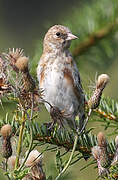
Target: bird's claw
x=57 y=116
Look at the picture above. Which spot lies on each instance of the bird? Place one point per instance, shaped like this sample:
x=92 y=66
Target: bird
x=59 y=77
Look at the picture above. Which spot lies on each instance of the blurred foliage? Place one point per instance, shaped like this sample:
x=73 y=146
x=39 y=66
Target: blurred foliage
x=86 y=21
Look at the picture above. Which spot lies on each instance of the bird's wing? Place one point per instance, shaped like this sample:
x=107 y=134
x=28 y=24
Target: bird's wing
x=80 y=95
x=71 y=74
x=77 y=80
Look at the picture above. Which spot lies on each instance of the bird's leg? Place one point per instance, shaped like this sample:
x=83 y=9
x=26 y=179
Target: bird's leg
x=57 y=116
x=51 y=125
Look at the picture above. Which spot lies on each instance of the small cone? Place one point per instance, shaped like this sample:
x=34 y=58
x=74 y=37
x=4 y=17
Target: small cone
x=6 y=131
x=35 y=162
x=22 y=63
x=102 y=81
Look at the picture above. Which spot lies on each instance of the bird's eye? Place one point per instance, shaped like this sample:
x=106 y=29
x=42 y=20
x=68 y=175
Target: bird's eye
x=58 y=34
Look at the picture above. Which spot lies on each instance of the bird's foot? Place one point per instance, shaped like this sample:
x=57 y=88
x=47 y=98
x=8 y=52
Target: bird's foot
x=57 y=116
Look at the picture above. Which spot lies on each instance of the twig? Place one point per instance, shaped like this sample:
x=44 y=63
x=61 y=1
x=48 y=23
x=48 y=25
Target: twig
x=86 y=121
x=31 y=133
x=104 y=114
x=66 y=144
x=6 y=160
x=20 y=140
x=70 y=158
x=93 y=39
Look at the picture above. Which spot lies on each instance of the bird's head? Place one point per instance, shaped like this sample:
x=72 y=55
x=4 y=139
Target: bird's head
x=58 y=37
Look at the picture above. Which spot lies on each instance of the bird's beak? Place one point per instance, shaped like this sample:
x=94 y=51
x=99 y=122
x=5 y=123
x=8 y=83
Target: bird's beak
x=71 y=36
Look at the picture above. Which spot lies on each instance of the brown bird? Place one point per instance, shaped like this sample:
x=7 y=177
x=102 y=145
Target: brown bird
x=59 y=77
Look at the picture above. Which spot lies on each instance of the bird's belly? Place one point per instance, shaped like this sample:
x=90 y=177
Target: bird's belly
x=58 y=93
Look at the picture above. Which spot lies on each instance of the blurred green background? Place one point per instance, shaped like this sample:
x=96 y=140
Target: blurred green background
x=23 y=25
